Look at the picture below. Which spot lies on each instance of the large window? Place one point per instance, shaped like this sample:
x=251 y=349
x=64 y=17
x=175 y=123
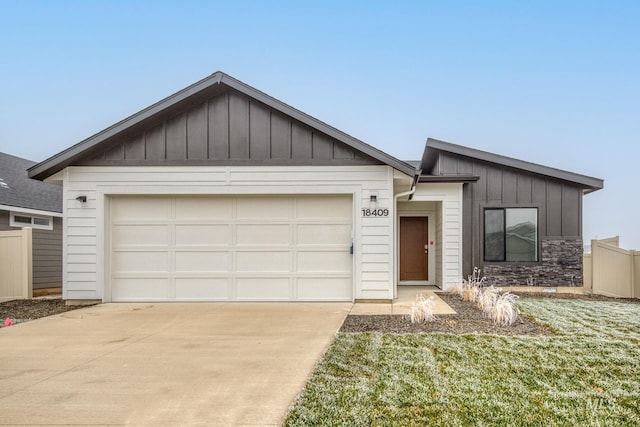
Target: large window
x=511 y=234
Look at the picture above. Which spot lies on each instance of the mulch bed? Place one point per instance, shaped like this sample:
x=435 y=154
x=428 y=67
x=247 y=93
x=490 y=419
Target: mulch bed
x=467 y=320
x=24 y=310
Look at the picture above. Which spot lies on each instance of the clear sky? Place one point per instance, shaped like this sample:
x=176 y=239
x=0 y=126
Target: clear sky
x=556 y=82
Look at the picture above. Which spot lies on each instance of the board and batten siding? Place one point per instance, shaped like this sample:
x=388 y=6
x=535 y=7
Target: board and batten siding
x=85 y=251
x=226 y=129
x=559 y=202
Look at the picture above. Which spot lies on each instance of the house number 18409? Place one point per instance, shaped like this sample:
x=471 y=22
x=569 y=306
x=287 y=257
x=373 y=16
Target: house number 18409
x=375 y=212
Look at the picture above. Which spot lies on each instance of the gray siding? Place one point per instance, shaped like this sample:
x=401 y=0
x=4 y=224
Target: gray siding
x=47 y=253
x=47 y=256
x=4 y=221
x=228 y=128
x=559 y=202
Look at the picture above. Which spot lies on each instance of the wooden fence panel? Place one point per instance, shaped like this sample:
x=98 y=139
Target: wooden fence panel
x=16 y=264
x=587 y=281
x=636 y=274
x=612 y=270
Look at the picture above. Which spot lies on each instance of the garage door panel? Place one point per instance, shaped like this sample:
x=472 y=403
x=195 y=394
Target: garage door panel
x=263 y=208
x=324 y=288
x=202 y=234
x=324 y=234
x=128 y=208
x=204 y=208
x=140 y=235
x=209 y=289
x=140 y=289
x=211 y=248
x=324 y=262
x=336 y=207
x=202 y=262
x=138 y=261
x=263 y=234
x=275 y=288
x=263 y=261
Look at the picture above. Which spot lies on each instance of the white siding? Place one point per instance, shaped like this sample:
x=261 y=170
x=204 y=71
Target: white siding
x=449 y=230
x=85 y=225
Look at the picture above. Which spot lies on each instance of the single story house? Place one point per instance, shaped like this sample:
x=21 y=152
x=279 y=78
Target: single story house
x=27 y=202
x=221 y=192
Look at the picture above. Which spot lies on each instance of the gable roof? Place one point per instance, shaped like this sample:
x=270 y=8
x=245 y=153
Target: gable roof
x=17 y=190
x=174 y=102
x=430 y=158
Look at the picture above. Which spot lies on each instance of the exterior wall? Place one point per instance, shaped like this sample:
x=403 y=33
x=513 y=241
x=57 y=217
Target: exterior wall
x=226 y=129
x=559 y=205
x=47 y=253
x=449 y=196
x=4 y=221
x=47 y=256
x=86 y=243
x=561 y=265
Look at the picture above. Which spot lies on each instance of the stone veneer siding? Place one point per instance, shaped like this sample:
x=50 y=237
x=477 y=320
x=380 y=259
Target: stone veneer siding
x=561 y=265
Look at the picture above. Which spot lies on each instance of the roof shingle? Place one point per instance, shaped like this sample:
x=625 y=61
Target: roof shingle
x=16 y=189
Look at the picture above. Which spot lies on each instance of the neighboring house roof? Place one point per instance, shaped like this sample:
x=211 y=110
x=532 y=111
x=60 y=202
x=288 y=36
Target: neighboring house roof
x=90 y=145
x=434 y=146
x=17 y=190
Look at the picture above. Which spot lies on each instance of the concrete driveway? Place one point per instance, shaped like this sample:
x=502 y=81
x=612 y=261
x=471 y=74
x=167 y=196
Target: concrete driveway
x=163 y=364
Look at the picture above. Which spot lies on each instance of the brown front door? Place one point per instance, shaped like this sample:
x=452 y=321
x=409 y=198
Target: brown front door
x=414 y=248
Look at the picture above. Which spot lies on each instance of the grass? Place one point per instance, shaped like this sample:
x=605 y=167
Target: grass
x=587 y=375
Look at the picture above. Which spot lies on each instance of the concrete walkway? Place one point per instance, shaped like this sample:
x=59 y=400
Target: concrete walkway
x=401 y=305
x=214 y=364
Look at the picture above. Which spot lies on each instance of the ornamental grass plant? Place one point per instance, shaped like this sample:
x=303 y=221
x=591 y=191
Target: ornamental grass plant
x=421 y=310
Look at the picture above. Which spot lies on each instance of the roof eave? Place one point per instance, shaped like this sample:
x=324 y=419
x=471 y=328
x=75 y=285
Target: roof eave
x=448 y=178
x=587 y=182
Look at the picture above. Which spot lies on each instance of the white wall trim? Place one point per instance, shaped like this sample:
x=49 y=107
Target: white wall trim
x=31 y=211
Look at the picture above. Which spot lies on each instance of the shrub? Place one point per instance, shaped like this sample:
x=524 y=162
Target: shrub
x=471 y=288
x=422 y=310
x=470 y=293
x=487 y=299
x=504 y=311
x=457 y=289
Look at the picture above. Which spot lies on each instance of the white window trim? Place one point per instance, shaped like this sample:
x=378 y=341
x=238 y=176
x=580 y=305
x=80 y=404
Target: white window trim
x=13 y=223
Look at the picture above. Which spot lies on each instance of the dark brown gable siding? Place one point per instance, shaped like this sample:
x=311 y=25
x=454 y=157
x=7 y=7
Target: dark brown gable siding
x=226 y=129
x=559 y=202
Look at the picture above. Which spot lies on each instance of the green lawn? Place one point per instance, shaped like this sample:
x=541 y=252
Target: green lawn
x=587 y=375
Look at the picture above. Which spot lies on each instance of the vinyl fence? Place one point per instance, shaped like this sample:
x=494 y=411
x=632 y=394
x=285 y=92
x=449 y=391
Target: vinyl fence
x=612 y=271
x=16 y=264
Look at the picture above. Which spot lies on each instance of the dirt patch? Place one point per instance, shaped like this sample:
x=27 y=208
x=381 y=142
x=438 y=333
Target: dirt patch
x=25 y=310
x=467 y=320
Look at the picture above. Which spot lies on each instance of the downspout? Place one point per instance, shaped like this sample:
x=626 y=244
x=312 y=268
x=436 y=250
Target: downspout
x=396 y=239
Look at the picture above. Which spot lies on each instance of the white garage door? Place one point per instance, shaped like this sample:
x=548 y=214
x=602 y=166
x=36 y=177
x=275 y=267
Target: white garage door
x=255 y=248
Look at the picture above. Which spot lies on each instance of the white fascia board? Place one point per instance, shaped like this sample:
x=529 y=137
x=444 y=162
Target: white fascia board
x=30 y=211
